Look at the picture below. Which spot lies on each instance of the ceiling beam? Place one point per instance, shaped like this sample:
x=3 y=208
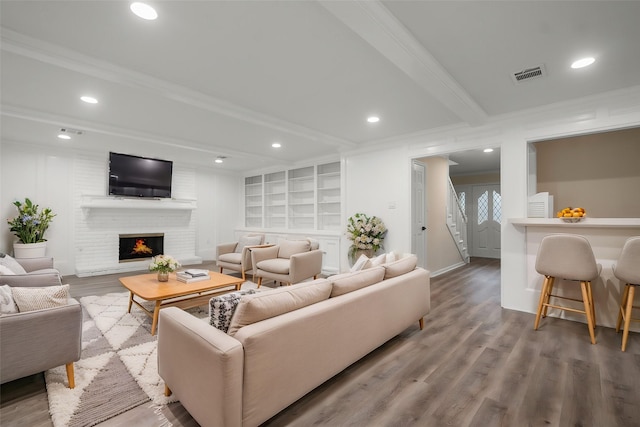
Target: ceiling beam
x=374 y=23
x=58 y=56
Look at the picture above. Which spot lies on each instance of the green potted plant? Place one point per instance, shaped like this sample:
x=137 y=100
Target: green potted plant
x=29 y=226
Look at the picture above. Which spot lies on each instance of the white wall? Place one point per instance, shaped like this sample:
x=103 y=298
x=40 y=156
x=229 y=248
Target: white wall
x=378 y=184
x=57 y=178
x=512 y=133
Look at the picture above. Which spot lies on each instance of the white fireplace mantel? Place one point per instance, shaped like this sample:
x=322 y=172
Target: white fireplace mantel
x=111 y=202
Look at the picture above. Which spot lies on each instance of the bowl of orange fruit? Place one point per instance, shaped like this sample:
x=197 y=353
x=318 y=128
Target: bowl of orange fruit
x=572 y=214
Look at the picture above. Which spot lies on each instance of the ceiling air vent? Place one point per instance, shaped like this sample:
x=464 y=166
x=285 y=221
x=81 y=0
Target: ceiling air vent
x=71 y=131
x=529 y=74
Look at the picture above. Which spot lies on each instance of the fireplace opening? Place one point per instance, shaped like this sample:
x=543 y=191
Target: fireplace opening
x=134 y=247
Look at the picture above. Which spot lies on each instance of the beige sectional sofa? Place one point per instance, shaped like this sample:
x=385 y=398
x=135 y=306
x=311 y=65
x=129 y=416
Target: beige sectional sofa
x=283 y=343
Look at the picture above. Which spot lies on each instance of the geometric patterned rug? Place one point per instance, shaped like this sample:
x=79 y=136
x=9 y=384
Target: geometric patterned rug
x=118 y=368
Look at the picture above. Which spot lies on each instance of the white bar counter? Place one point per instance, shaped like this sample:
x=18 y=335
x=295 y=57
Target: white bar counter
x=606 y=236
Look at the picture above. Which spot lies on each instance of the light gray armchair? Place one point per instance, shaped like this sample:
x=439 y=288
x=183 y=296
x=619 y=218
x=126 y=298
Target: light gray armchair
x=39 y=272
x=34 y=341
x=236 y=256
x=290 y=261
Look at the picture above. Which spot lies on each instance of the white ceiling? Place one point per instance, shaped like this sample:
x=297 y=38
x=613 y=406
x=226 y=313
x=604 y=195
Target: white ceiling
x=222 y=78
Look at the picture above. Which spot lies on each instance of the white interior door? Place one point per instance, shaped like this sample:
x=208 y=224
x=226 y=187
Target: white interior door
x=418 y=213
x=486 y=219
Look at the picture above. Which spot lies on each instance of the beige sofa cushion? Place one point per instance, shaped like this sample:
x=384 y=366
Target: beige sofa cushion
x=400 y=267
x=349 y=282
x=264 y=305
x=292 y=247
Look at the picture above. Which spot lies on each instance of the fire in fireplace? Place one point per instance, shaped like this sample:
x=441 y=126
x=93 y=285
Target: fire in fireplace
x=134 y=247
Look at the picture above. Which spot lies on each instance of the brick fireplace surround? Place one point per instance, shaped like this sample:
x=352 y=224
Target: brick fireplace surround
x=102 y=220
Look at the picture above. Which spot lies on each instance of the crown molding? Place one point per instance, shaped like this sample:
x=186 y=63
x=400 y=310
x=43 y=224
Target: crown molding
x=58 y=56
x=372 y=21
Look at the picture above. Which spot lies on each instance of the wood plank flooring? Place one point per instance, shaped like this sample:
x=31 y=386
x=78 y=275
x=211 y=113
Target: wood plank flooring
x=474 y=364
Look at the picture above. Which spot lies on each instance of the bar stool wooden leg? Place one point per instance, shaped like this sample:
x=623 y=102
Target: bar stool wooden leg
x=627 y=316
x=543 y=298
x=588 y=310
x=593 y=307
x=547 y=300
x=623 y=304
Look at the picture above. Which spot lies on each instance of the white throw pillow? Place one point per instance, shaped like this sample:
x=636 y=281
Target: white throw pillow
x=6 y=271
x=360 y=263
x=247 y=241
x=12 y=264
x=7 y=304
x=30 y=299
x=379 y=260
x=391 y=256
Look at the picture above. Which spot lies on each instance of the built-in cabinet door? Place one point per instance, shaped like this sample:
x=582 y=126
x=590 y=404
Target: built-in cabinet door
x=486 y=219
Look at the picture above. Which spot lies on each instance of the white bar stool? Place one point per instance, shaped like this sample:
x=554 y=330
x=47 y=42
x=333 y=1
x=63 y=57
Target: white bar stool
x=628 y=272
x=568 y=257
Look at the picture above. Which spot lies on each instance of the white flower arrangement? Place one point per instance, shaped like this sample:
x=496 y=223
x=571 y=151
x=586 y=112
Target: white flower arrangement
x=164 y=264
x=365 y=232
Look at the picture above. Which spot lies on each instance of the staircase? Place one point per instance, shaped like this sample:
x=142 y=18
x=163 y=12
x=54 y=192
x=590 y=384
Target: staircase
x=457 y=223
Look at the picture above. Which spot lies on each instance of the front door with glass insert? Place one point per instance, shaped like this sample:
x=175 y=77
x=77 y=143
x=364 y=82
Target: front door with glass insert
x=485 y=221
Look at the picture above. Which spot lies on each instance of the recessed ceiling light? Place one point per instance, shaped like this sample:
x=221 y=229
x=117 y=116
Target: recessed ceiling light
x=276 y=145
x=584 y=62
x=89 y=99
x=488 y=150
x=373 y=119
x=218 y=160
x=63 y=136
x=144 y=11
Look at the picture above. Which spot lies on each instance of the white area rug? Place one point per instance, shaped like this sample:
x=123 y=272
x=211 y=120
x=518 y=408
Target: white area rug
x=118 y=369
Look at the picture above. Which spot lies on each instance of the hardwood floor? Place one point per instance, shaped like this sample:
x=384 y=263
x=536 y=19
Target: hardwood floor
x=474 y=364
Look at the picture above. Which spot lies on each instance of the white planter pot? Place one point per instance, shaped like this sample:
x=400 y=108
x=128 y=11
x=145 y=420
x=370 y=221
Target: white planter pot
x=29 y=250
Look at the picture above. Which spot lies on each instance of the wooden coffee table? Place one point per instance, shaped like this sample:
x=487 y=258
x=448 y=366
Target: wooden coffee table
x=175 y=293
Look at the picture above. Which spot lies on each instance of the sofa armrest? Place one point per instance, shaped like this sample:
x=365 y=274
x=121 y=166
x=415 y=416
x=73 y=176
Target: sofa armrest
x=260 y=254
x=225 y=248
x=33 y=264
x=51 y=278
x=305 y=265
x=203 y=366
x=34 y=341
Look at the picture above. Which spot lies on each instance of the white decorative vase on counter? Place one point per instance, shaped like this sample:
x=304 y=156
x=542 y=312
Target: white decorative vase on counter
x=29 y=250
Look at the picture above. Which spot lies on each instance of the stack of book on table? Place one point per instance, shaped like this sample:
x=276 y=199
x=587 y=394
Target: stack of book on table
x=192 y=275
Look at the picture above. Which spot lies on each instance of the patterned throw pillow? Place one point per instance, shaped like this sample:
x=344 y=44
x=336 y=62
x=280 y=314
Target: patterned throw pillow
x=7 y=304
x=11 y=264
x=30 y=299
x=221 y=308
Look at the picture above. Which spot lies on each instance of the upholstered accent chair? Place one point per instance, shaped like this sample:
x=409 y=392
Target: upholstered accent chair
x=34 y=339
x=290 y=261
x=30 y=272
x=236 y=256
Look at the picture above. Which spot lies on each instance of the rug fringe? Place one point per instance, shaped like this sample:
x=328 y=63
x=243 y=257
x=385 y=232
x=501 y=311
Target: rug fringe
x=157 y=409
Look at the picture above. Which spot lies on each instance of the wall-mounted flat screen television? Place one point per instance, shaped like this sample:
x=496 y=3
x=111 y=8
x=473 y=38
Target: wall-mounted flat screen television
x=134 y=176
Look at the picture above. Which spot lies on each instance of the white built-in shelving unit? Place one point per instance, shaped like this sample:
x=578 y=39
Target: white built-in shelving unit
x=253 y=201
x=328 y=196
x=306 y=198
x=275 y=200
x=301 y=198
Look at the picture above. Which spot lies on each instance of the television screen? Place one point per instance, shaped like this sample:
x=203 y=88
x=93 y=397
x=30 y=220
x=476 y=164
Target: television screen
x=135 y=176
